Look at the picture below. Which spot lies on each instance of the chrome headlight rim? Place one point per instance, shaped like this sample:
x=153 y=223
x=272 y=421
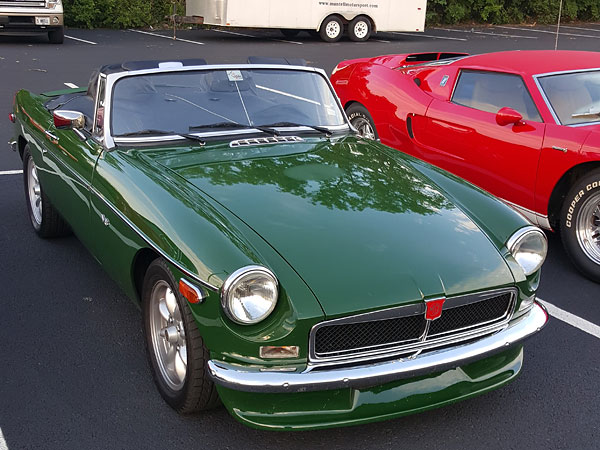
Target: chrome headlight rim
x=230 y=284
x=519 y=237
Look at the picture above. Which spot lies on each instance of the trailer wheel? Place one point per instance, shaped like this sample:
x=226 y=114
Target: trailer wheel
x=359 y=29
x=331 y=29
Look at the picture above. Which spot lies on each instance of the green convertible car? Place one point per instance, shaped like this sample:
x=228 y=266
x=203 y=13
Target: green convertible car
x=286 y=267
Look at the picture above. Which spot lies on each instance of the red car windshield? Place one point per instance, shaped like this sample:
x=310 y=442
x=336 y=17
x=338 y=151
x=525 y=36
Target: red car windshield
x=574 y=97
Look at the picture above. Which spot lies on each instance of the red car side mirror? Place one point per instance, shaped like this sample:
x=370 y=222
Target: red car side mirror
x=507 y=116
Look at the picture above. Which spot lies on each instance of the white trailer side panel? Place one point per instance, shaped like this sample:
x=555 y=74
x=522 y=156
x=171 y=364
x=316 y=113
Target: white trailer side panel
x=388 y=15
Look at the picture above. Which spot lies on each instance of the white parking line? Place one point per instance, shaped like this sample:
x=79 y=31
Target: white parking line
x=71 y=85
x=572 y=319
x=489 y=34
x=3 y=444
x=166 y=37
x=548 y=32
x=256 y=37
x=11 y=172
x=81 y=40
x=581 y=29
x=427 y=36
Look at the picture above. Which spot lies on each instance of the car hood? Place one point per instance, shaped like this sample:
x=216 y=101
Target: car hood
x=358 y=222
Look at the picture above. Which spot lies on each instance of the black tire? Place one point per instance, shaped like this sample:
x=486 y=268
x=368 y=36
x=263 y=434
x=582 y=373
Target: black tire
x=359 y=29
x=197 y=392
x=361 y=120
x=332 y=29
x=579 y=216
x=289 y=32
x=57 y=36
x=46 y=221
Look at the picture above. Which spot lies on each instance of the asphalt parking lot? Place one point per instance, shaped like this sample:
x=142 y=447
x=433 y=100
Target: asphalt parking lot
x=73 y=373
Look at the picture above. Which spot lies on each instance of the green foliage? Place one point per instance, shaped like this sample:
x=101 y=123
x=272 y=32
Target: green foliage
x=510 y=11
x=143 y=13
x=118 y=13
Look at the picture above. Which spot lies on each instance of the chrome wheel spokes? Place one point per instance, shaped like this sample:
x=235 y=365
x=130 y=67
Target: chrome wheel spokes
x=34 y=192
x=588 y=228
x=364 y=128
x=168 y=335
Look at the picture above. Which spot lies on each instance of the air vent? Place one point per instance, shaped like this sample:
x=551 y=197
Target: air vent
x=265 y=140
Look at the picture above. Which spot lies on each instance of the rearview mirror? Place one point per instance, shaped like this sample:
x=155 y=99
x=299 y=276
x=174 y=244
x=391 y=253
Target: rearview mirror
x=507 y=116
x=68 y=119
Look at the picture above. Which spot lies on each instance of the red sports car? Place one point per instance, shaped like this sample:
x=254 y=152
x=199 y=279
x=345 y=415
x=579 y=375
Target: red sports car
x=523 y=125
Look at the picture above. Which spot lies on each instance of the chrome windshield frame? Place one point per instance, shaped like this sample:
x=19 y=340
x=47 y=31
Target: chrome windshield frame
x=110 y=141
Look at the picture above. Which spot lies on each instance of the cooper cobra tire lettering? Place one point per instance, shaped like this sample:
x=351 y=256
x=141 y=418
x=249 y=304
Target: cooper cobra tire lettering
x=580 y=224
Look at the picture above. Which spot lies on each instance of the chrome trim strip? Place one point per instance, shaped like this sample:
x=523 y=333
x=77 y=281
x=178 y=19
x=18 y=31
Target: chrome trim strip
x=151 y=243
x=252 y=379
x=74 y=175
x=534 y=217
x=390 y=349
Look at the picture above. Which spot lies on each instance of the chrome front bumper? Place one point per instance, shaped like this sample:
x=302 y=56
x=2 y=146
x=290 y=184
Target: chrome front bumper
x=252 y=379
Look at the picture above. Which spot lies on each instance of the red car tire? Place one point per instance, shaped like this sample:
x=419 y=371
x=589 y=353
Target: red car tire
x=580 y=225
x=361 y=119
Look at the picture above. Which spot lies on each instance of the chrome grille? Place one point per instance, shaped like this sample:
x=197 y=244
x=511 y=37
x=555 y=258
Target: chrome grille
x=23 y=4
x=344 y=338
x=265 y=140
x=467 y=316
x=404 y=330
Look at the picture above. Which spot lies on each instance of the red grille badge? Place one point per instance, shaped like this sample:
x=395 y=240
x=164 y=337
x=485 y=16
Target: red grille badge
x=434 y=308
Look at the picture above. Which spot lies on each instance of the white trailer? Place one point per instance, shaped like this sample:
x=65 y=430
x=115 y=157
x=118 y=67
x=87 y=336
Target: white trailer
x=327 y=17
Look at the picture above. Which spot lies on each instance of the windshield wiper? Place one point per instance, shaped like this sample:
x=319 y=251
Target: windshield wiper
x=231 y=125
x=323 y=130
x=151 y=132
x=587 y=114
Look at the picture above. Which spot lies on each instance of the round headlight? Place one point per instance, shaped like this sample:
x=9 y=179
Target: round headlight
x=249 y=294
x=529 y=247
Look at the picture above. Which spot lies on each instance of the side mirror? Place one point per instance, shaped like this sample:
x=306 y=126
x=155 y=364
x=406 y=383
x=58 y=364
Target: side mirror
x=508 y=116
x=68 y=119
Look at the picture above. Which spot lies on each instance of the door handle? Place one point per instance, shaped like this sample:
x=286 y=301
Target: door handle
x=560 y=149
x=50 y=136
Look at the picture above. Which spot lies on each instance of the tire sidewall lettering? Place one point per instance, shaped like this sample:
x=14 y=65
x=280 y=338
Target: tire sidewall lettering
x=572 y=206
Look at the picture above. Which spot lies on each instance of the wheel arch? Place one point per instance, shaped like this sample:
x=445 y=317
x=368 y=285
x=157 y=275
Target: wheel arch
x=562 y=187
x=142 y=260
x=352 y=102
x=338 y=15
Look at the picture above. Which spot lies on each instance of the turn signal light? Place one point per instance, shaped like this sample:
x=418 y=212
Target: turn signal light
x=272 y=352
x=12 y=117
x=191 y=293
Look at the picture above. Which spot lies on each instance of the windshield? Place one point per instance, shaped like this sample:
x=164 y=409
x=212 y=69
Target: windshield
x=575 y=97
x=198 y=101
